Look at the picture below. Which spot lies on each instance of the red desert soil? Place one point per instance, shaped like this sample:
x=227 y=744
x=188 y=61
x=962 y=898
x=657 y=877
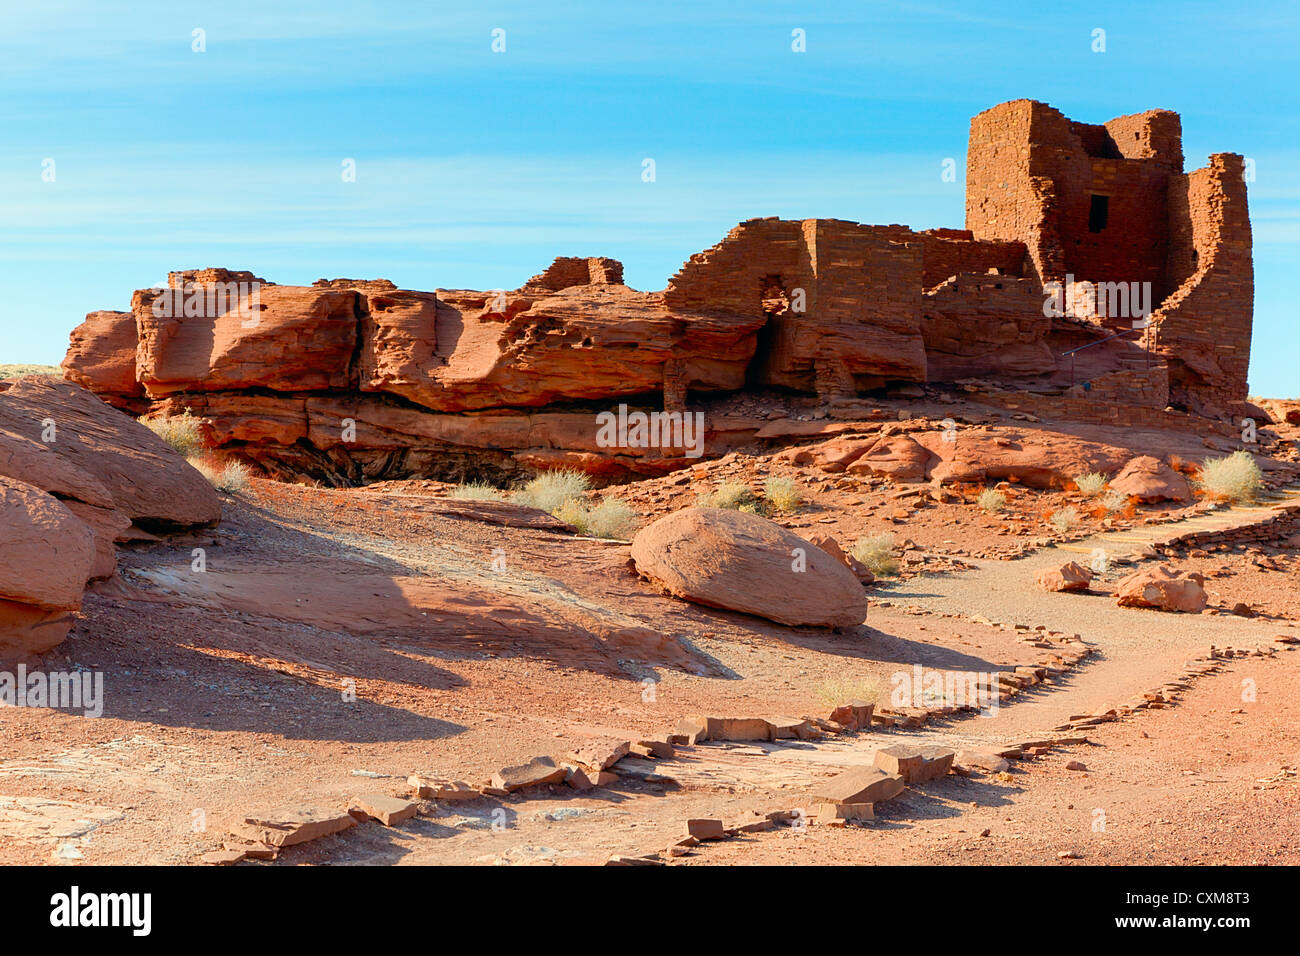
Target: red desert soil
x=227 y=691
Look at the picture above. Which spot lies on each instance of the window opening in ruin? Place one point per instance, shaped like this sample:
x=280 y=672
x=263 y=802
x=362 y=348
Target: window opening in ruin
x=1098 y=213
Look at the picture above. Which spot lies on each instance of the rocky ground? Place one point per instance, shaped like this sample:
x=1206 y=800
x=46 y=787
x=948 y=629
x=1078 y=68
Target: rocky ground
x=337 y=641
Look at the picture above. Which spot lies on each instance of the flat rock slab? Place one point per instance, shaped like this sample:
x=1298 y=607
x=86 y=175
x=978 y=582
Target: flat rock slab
x=915 y=764
x=289 y=826
x=428 y=787
x=537 y=771
x=706 y=829
x=827 y=812
x=860 y=785
x=390 y=811
x=600 y=753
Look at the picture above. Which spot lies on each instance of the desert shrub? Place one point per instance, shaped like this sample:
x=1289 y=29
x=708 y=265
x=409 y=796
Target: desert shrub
x=842 y=690
x=551 y=489
x=1234 y=478
x=735 y=496
x=476 y=491
x=183 y=432
x=611 y=518
x=230 y=477
x=1064 y=519
x=783 y=494
x=992 y=500
x=1090 y=485
x=876 y=552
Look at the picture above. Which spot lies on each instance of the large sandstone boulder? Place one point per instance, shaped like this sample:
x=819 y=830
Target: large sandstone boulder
x=1151 y=479
x=46 y=557
x=742 y=562
x=900 y=457
x=142 y=476
x=1164 y=588
x=1034 y=459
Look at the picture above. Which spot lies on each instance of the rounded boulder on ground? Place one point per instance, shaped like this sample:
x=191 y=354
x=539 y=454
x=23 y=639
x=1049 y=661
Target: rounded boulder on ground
x=1164 y=588
x=742 y=562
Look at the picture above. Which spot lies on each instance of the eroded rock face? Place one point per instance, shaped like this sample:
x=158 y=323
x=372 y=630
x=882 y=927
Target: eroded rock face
x=75 y=474
x=101 y=357
x=1164 y=588
x=742 y=562
x=46 y=557
x=1151 y=479
x=143 y=477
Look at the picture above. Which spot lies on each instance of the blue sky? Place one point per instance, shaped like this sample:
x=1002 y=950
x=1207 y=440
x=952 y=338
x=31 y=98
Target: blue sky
x=474 y=169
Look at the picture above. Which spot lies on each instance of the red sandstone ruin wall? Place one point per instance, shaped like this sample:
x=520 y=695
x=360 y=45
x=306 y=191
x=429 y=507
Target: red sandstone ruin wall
x=1204 y=328
x=1031 y=174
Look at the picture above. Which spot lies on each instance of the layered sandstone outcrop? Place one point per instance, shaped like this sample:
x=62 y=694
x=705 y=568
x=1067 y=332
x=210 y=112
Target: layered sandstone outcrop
x=349 y=380
x=77 y=477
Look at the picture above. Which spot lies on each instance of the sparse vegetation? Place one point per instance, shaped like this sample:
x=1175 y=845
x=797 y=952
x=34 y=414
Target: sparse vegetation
x=876 y=552
x=843 y=690
x=476 y=491
x=1114 y=501
x=231 y=477
x=551 y=489
x=783 y=494
x=1090 y=485
x=17 y=371
x=1064 y=519
x=183 y=432
x=612 y=518
x=733 y=495
x=1235 y=478
x=992 y=500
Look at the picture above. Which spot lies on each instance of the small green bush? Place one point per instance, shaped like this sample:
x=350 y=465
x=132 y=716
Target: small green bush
x=992 y=500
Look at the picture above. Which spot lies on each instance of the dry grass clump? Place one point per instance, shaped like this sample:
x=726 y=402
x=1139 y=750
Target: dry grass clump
x=783 y=494
x=1235 y=478
x=876 y=552
x=1064 y=519
x=843 y=690
x=231 y=477
x=735 y=496
x=1090 y=485
x=183 y=432
x=476 y=491
x=611 y=518
x=992 y=500
x=563 y=494
x=551 y=489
